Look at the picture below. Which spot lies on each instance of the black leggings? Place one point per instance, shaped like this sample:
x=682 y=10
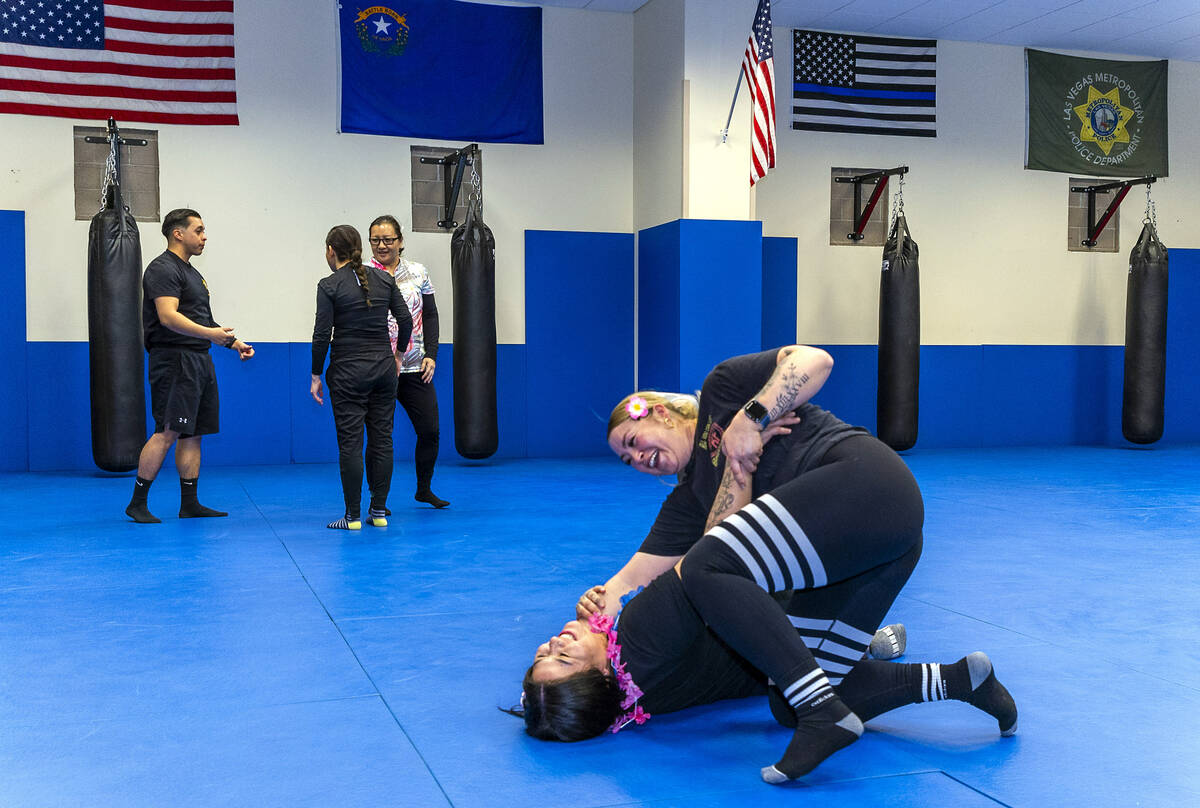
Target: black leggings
x=844 y=536
x=419 y=400
x=362 y=392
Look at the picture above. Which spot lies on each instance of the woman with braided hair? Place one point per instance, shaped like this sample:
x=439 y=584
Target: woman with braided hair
x=353 y=304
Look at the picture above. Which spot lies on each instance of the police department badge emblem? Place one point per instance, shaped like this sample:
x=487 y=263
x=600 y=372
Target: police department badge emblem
x=382 y=30
x=1104 y=118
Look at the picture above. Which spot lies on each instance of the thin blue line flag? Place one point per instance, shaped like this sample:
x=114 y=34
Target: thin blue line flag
x=441 y=69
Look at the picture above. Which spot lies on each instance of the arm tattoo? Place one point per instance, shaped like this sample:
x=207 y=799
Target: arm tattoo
x=723 y=501
x=790 y=381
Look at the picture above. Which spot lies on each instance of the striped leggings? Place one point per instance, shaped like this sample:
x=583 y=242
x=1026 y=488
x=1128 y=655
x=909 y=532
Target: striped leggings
x=844 y=537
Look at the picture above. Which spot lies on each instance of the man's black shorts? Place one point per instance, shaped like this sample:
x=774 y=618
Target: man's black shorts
x=183 y=392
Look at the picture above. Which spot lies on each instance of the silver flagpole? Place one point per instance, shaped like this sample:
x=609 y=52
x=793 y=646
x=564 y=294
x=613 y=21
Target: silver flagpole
x=725 y=131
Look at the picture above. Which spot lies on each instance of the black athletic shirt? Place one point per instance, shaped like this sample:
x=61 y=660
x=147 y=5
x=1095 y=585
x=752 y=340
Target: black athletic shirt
x=681 y=520
x=673 y=657
x=168 y=275
x=356 y=329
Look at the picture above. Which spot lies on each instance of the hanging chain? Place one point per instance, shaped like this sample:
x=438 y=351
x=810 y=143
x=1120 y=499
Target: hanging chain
x=1151 y=217
x=476 y=194
x=110 y=172
x=897 y=202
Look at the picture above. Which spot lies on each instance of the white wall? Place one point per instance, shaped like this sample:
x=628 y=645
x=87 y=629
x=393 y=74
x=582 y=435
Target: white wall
x=658 y=51
x=271 y=188
x=688 y=57
x=716 y=33
x=994 y=262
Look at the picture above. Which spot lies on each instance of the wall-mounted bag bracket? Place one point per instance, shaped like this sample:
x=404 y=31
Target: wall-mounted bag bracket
x=453 y=179
x=880 y=178
x=1095 y=228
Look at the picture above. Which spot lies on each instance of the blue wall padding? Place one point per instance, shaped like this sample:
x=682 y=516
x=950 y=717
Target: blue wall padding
x=970 y=395
x=778 y=292
x=1046 y=395
x=267 y=416
x=578 y=337
x=720 y=294
x=658 y=307
x=699 y=299
x=993 y=395
x=256 y=416
x=14 y=404
x=1182 y=405
x=313 y=440
x=60 y=419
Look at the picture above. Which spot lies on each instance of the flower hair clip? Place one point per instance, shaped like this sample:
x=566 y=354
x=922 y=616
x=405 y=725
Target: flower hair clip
x=637 y=408
x=603 y=624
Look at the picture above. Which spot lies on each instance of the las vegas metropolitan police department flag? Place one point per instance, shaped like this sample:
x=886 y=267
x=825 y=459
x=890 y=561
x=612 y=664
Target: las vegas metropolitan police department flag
x=1095 y=116
x=442 y=70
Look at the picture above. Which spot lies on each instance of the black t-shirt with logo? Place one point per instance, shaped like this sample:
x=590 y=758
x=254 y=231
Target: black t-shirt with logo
x=731 y=384
x=168 y=275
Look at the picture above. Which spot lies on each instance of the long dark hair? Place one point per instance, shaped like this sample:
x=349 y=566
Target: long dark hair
x=574 y=708
x=347 y=246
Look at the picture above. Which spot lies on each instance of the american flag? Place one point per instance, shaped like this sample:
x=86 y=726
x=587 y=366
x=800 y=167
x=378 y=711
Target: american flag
x=151 y=61
x=758 y=65
x=864 y=84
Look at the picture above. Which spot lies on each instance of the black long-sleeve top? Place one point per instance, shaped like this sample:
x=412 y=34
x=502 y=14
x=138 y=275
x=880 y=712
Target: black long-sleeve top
x=344 y=318
x=429 y=318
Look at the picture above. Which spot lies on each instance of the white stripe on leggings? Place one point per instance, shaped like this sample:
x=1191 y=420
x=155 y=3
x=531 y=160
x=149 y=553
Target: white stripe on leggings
x=768 y=529
x=843 y=651
x=811 y=692
x=799 y=537
x=853 y=635
x=801 y=682
x=751 y=534
x=809 y=623
x=735 y=544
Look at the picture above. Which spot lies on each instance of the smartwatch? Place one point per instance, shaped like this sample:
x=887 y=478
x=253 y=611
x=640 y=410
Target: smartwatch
x=757 y=413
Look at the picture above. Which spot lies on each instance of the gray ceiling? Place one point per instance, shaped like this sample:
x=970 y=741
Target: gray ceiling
x=1160 y=29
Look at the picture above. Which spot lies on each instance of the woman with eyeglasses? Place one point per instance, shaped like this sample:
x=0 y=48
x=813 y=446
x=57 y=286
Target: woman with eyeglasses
x=416 y=358
x=354 y=305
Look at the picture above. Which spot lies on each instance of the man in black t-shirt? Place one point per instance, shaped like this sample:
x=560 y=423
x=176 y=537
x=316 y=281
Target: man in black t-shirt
x=178 y=328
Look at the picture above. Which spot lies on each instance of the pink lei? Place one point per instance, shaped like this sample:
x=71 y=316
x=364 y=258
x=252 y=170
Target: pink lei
x=603 y=624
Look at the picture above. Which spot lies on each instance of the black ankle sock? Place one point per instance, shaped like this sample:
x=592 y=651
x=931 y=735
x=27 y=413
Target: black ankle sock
x=819 y=733
x=189 y=506
x=781 y=711
x=425 y=495
x=141 y=490
x=197 y=510
x=187 y=492
x=138 y=512
x=988 y=694
x=972 y=680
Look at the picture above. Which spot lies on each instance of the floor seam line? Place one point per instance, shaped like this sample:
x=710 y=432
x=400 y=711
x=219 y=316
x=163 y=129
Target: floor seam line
x=382 y=698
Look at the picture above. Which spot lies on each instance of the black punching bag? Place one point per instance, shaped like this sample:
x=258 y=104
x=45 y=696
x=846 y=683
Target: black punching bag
x=115 y=338
x=473 y=270
x=899 y=340
x=1145 y=340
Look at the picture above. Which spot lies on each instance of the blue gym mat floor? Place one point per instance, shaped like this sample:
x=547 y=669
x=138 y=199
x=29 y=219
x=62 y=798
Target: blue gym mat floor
x=263 y=660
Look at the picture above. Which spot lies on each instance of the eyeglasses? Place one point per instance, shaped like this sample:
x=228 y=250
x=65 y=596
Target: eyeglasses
x=389 y=241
